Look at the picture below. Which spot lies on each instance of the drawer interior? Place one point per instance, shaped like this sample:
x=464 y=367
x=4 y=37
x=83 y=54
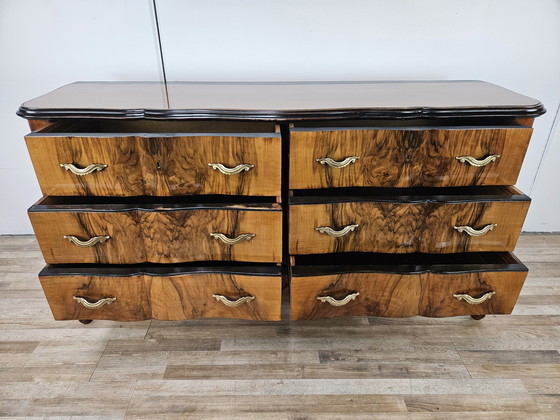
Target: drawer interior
x=107 y=204
x=414 y=263
x=141 y=126
x=408 y=195
x=149 y=269
x=411 y=123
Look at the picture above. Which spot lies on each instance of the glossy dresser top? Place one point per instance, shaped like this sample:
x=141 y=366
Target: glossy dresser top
x=280 y=101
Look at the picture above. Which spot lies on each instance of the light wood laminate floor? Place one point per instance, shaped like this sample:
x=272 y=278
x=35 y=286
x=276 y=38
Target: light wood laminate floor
x=503 y=367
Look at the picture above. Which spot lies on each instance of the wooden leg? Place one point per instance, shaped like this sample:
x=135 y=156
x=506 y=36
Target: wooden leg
x=477 y=317
x=85 y=321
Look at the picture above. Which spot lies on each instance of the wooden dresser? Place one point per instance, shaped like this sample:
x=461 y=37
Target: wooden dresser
x=189 y=200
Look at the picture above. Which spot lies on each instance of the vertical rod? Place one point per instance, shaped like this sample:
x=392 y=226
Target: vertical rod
x=161 y=53
x=553 y=128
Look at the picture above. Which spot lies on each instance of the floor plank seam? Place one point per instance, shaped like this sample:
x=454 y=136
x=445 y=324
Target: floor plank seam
x=98 y=360
x=130 y=400
x=462 y=360
x=148 y=329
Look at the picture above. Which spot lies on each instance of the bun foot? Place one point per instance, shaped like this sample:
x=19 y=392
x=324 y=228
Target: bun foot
x=88 y=321
x=477 y=317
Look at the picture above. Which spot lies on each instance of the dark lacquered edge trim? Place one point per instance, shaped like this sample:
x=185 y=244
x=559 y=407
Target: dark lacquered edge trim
x=280 y=115
x=107 y=270
x=325 y=270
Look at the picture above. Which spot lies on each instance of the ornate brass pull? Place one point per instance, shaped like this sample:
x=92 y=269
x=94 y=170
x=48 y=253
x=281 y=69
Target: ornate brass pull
x=474 y=301
x=336 y=233
x=90 y=242
x=473 y=232
x=231 y=171
x=233 y=303
x=83 y=171
x=233 y=241
x=94 y=305
x=334 y=164
x=335 y=302
x=475 y=162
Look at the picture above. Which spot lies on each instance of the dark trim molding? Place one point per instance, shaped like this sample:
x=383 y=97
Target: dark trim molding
x=278 y=115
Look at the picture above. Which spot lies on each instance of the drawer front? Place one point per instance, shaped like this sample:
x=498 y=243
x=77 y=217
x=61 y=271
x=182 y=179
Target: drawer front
x=406 y=157
x=215 y=296
x=165 y=166
x=94 y=297
x=405 y=227
x=178 y=297
x=138 y=236
x=404 y=295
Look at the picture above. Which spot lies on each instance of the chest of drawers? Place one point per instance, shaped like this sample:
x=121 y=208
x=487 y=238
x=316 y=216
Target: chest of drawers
x=190 y=200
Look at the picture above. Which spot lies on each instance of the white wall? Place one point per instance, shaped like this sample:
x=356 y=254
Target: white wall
x=513 y=43
x=46 y=44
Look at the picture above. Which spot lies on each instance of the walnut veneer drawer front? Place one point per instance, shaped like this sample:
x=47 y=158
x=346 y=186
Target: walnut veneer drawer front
x=409 y=220
x=74 y=159
x=166 y=293
x=382 y=285
x=112 y=232
x=323 y=157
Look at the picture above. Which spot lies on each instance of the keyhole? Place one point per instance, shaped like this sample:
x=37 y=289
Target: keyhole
x=158 y=166
x=407 y=157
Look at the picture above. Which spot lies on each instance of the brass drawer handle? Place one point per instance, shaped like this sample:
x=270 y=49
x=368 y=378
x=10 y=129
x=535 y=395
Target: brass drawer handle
x=475 y=162
x=83 y=171
x=336 y=233
x=94 y=305
x=473 y=232
x=335 y=302
x=474 y=301
x=233 y=303
x=231 y=171
x=90 y=242
x=233 y=241
x=334 y=164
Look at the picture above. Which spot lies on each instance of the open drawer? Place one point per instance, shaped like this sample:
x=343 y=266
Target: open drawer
x=165 y=292
x=133 y=230
x=406 y=220
x=407 y=153
x=158 y=158
x=333 y=285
